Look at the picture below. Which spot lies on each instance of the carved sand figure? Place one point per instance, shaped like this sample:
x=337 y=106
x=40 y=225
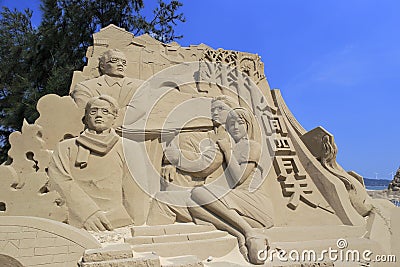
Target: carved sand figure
x=395 y=183
x=357 y=194
x=112 y=82
x=189 y=166
x=241 y=210
x=90 y=173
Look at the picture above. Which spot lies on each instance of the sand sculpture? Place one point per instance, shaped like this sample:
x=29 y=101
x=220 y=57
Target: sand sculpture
x=188 y=165
x=395 y=183
x=90 y=173
x=114 y=83
x=187 y=157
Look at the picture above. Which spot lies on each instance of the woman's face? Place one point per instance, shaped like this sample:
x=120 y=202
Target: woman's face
x=237 y=128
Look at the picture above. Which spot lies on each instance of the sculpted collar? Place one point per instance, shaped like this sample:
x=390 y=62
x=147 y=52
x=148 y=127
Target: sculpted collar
x=111 y=81
x=98 y=143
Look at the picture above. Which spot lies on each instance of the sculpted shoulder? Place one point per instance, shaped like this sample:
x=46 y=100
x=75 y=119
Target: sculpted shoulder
x=133 y=82
x=91 y=82
x=98 y=81
x=67 y=144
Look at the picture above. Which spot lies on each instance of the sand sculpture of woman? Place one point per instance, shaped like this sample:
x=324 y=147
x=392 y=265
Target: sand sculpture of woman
x=240 y=211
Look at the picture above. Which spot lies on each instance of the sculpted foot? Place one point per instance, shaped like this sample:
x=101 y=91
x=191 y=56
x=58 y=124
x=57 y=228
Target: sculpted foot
x=242 y=248
x=254 y=244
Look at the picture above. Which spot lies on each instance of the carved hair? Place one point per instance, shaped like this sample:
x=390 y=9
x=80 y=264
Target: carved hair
x=113 y=103
x=103 y=58
x=245 y=115
x=227 y=100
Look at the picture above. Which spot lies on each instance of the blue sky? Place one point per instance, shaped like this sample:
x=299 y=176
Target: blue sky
x=337 y=63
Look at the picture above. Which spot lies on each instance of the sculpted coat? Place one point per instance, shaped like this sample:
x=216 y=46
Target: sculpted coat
x=121 y=90
x=101 y=182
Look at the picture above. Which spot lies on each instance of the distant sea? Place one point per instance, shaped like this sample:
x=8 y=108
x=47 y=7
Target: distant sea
x=376 y=184
x=379 y=184
x=376 y=187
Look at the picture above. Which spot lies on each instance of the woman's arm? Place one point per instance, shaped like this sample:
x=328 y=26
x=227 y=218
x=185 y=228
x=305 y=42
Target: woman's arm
x=238 y=172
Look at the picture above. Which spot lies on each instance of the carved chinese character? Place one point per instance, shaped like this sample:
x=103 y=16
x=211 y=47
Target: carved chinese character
x=278 y=125
x=293 y=179
x=273 y=124
x=281 y=146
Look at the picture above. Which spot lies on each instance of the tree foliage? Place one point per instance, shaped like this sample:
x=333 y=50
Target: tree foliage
x=39 y=61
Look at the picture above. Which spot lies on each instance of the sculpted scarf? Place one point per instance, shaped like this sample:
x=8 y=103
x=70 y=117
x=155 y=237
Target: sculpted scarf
x=98 y=143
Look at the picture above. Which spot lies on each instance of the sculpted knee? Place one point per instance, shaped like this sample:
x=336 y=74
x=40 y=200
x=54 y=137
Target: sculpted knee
x=199 y=194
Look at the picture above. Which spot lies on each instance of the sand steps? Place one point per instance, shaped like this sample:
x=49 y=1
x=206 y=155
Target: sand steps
x=202 y=241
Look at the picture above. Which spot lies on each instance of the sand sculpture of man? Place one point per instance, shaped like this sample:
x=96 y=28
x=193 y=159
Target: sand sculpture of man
x=89 y=171
x=113 y=82
x=191 y=166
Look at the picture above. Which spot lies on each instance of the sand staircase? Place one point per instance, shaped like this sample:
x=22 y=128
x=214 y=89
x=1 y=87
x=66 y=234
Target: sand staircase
x=203 y=241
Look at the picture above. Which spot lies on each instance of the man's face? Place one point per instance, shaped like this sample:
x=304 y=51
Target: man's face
x=100 y=117
x=219 y=112
x=115 y=64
